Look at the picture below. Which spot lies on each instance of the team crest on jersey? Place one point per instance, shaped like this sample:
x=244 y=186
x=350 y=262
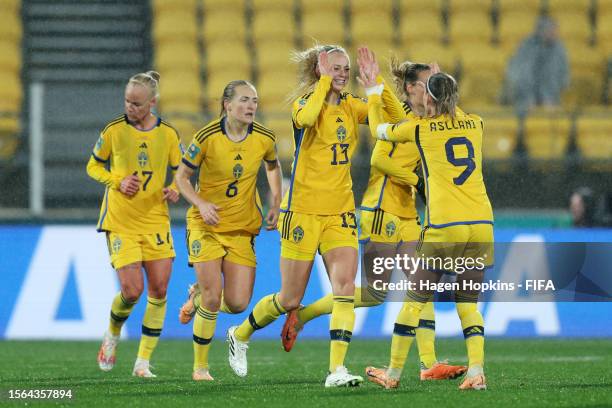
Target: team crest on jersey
x=193 y=151
x=143 y=158
x=99 y=143
x=298 y=234
x=196 y=247
x=237 y=171
x=390 y=228
x=341 y=133
x=116 y=244
x=302 y=102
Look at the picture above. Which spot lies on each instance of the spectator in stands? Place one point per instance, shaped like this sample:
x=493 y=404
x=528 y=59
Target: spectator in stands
x=538 y=72
x=582 y=207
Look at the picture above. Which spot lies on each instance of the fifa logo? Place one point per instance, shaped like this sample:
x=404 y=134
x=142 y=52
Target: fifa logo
x=341 y=133
x=196 y=247
x=237 y=171
x=390 y=228
x=116 y=245
x=298 y=234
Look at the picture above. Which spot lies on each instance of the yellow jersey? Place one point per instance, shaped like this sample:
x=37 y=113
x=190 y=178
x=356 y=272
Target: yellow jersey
x=451 y=156
x=392 y=176
x=228 y=174
x=145 y=153
x=325 y=138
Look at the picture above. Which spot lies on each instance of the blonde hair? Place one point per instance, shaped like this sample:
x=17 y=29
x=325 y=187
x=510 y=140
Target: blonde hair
x=405 y=73
x=149 y=80
x=307 y=61
x=444 y=91
x=230 y=91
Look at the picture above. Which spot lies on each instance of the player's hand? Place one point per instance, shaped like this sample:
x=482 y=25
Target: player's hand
x=434 y=68
x=368 y=68
x=208 y=211
x=130 y=185
x=272 y=218
x=323 y=65
x=170 y=194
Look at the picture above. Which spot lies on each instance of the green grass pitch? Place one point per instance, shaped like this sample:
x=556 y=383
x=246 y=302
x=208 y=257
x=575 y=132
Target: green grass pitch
x=520 y=373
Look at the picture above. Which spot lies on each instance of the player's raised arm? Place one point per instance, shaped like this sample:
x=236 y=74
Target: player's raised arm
x=306 y=110
x=381 y=160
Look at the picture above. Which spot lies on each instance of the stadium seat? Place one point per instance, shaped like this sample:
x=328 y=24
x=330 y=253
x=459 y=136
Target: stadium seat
x=177 y=55
x=11 y=93
x=273 y=54
x=321 y=6
x=523 y=6
x=277 y=25
x=555 y=7
x=514 y=27
x=424 y=52
x=186 y=124
x=470 y=6
x=274 y=88
x=281 y=124
x=367 y=7
x=11 y=28
x=224 y=25
x=272 y=5
x=8 y=144
x=603 y=31
x=364 y=32
x=231 y=56
x=10 y=6
x=547 y=136
x=223 y=5
x=10 y=56
x=164 y=6
x=325 y=28
x=417 y=26
x=587 y=70
x=574 y=27
x=467 y=27
x=499 y=138
x=175 y=25
x=180 y=92
x=593 y=137
x=413 y=6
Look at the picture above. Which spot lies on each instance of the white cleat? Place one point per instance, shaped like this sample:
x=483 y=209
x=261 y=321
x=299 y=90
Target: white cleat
x=106 y=354
x=342 y=378
x=237 y=353
x=142 y=369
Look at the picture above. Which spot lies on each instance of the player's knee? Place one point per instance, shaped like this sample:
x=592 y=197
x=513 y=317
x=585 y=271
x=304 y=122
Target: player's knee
x=344 y=288
x=158 y=293
x=290 y=303
x=237 y=306
x=131 y=293
x=211 y=298
x=465 y=309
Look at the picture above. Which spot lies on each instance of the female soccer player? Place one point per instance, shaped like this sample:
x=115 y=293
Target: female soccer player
x=459 y=218
x=389 y=222
x=318 y=211
x=225 y=215
x=138 y=148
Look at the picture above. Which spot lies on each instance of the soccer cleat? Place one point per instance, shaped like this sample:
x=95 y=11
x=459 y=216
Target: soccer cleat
x=342 y=378
x=442 y=371
x=188 y=310
x=290 y=331
x=237 y=353
x=474 y=379
x=379 y=376
x=202 y=374
x=142 y=369
x=106 y=355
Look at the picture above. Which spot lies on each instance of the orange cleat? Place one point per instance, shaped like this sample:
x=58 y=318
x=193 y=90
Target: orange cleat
x=477 y=382
x=290 y=331
x=442 y=371
x=187 y=311
x=379 y=376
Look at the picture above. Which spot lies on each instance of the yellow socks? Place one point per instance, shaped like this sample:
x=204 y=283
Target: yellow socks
x=204 y=325
x=152 y=324
x=120 y=311
x=267 y=310
x=426 y=335
x=404 y=332
x=473 y=332
x=340 y=329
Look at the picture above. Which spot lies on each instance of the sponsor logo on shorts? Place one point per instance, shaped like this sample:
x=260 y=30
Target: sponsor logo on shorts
x=390 y=228
x=116 y=244
x=298 y=234
x=196 y=247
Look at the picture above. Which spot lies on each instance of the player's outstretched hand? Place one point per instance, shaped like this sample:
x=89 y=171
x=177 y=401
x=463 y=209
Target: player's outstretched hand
x=272 y=218
x=208 y=211
x=434 y=67
x=323 y=64
x=170 y=194
x=368 y=67
x=130 y=185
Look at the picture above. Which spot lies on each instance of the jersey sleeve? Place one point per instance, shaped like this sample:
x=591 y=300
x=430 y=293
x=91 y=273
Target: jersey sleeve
x=175 y=151
x=400 y=132
x=103 y=147
x=96 y=166
x=271 y=154
x=382 y=160
x=393 y=107
x=195 y=153
x=306 y=110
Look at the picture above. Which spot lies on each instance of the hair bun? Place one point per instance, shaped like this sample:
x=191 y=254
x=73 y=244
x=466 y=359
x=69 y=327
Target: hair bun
x=154 y=74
